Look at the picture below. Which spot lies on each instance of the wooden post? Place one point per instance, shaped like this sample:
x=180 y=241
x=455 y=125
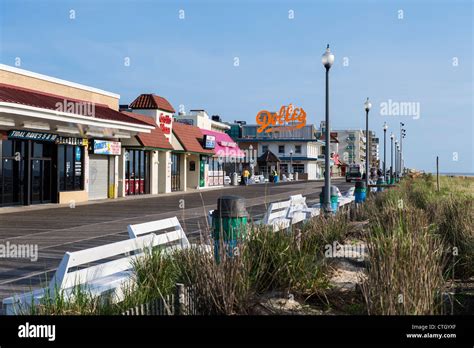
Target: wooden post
x=437 y=172
x=180 y=300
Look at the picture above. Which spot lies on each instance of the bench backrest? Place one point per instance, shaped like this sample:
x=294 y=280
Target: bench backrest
x=276 y=210
x=81 y=267
x=176 y=235
x=298 y=202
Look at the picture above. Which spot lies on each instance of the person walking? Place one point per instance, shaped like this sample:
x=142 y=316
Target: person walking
x=246 y=176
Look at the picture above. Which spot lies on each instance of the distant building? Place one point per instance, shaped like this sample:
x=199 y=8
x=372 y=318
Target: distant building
x=298 y=150
x=235 y=130
x=201 y=119
x=352 y=146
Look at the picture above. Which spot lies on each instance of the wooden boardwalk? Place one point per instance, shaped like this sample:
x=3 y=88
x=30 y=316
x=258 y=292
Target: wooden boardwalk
x=59 y=229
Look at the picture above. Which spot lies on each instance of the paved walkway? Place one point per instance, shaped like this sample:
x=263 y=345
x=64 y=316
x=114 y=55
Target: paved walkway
x=59 y=229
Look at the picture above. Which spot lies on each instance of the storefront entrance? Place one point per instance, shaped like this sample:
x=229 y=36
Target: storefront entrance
x=175 y=172
x=12 y=172
x=137 y=169
x=41 y=173
x=20 y=158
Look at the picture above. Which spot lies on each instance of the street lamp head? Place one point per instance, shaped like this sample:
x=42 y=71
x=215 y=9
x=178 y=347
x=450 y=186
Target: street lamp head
x=367 y=105
x=391 y=136
x=328 y=58
x=385 y=127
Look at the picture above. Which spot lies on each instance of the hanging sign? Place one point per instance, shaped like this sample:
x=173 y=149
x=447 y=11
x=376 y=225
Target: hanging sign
x=105 y=147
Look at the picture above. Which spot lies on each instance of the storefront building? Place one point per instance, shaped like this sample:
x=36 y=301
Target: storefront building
x=228 y=157
x=190 y=162
x=140 y=163
x=58 y=148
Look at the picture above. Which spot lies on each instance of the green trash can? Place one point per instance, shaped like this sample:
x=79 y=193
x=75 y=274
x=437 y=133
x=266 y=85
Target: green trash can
x=229 y=224
x=334 y=198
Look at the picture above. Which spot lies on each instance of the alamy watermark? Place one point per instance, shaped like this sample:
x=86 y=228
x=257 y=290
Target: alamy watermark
x=19 y=251
x=336 y=250
x=79 y=108
x=395 y=108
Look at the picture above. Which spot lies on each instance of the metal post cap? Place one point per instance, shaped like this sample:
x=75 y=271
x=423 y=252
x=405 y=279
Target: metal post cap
x=231 y=206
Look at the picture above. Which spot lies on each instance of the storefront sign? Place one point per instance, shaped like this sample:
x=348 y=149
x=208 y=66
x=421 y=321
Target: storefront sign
x=105 y=147
x=37 y=136
x=288 y=118
x=165 y=123
x=46 y=137
x=71 y=141
x=227 y=144
x=78 y=154
x=209 y=141
x=78 y=168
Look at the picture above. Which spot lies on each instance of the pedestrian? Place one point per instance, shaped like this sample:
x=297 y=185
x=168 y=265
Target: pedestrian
x=246 y=175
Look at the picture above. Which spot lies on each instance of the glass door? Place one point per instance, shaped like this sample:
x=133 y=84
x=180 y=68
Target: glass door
x=41 y=173
x=12 y=154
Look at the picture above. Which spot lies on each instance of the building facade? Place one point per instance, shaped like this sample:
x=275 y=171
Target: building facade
x=352 y=146
x=297 y=149
x=60 y=142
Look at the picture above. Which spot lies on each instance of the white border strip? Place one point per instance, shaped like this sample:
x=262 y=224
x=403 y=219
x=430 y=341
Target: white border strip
x=26 y=110
x=56 y=80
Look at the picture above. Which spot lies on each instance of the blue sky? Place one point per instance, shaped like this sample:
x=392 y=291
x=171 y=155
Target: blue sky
x=191 y=61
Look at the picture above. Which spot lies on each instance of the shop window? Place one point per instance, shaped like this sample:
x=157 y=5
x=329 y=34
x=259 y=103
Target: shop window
x=70 y=168
x=7 y=148
x=192 y=166
x=216 y=172
x=298 y=168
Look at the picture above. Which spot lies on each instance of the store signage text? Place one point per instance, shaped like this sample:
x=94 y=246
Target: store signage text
x=104 y=147
x=227 y=144
x=165 y=123
x=47 y=137
x=288 y=118
x=209 y=141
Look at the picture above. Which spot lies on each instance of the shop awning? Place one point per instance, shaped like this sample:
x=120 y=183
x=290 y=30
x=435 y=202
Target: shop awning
x=191 y=138
x=225 y=147
x=156 y=138
x=31 y=109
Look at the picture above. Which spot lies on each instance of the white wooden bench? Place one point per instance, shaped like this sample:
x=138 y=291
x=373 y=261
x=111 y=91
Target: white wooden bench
x=281 y=215
x=170 y=241
x=102 y=270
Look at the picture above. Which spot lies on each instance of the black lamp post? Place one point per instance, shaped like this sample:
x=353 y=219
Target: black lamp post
x=385 y=151
x=402 y=135
x=327 y=60
x=396 y=159
x=367 y=106
x=291 y=161
x=391 y=158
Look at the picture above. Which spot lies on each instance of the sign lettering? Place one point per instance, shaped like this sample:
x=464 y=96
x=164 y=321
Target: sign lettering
x=288 y=118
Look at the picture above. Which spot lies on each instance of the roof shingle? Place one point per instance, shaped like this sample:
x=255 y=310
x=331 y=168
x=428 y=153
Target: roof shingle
x=30 y=97
x=151 y=101
x=189 y=136
x=156 y=138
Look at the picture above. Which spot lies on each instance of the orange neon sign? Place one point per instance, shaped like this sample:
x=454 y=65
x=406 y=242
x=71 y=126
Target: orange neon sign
x=288 y=118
